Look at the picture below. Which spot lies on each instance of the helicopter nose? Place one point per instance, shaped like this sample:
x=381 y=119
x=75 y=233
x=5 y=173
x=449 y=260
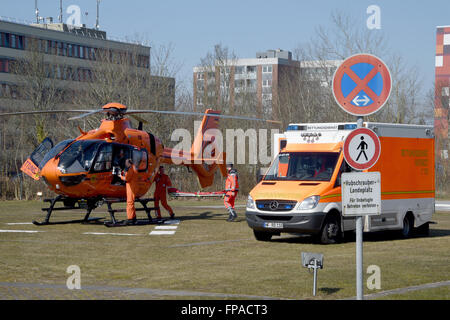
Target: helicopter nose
x=49 y=175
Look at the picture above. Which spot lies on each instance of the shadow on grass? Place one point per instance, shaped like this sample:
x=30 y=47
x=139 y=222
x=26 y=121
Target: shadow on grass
x=329 y=291
x=367 y=236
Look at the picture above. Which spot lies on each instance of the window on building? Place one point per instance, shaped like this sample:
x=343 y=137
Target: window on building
x=81 y=52
x=69 y=50
x=13 y=41
x=267 y=69
x=251 y=83
x=267 y=97
x=55 y=47
x=20 y=42
x=225 y=71
x=200 y=76
x=58 y=74
x=5 y=90
x=239 y=83
x=4 y=65
x=6 y=38
x=239 y=70
x=267 y=83
x=251 y=69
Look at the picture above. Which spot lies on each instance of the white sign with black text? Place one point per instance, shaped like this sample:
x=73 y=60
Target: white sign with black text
x=361 y=193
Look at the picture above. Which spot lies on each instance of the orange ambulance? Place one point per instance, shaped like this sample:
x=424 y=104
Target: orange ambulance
x=301 y=191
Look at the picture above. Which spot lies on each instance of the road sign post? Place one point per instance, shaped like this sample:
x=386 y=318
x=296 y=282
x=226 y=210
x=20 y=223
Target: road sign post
x=359 y=245
x=361 y=86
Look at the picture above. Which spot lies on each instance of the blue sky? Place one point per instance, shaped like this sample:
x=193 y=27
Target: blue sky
x=249 y=26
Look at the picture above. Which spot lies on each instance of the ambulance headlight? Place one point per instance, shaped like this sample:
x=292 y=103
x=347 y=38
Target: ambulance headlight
x=250 y=203
x=309 y=203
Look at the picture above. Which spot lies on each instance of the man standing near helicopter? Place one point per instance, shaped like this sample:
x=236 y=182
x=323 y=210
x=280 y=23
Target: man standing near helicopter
x=231 y=190
x=162 y=181
x=130 y=176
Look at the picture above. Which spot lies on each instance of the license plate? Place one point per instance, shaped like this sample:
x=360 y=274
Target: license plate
x=277 y=225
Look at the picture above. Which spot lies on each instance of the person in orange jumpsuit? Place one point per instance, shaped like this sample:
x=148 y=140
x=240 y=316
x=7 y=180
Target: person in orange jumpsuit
x=231 y=190
x=130 y=176
x=162 y=182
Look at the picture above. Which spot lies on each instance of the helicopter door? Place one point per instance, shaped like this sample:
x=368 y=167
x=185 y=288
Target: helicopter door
x=31 y=165
x=103 y=162
x=121 y=152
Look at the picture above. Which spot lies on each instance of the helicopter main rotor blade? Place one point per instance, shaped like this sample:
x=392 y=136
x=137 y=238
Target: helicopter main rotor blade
x=189 y=113
x=139 y=118
x=39 y=112
x=86 y=114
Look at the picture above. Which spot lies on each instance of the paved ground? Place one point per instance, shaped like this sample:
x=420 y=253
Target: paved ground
x=31 y=291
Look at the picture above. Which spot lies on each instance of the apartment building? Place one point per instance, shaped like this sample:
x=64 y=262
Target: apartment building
x=442 y=90
x=71 y=53
x=255 y=83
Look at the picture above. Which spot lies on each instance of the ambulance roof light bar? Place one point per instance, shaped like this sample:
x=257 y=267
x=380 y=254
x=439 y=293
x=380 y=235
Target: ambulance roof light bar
x=321 y=126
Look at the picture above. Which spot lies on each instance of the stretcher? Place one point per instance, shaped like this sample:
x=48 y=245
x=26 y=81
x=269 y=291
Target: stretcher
x=174 y=192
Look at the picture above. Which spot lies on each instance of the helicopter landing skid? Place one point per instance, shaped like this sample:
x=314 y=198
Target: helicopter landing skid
x=69 y=204
x=138 y=222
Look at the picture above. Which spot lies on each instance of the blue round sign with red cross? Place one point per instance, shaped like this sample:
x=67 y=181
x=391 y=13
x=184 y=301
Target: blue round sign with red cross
x=362 y=84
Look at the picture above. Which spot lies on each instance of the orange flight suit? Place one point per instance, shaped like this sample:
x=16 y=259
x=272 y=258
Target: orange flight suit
x=162 y=182
x=131 y=179
x=231 y=189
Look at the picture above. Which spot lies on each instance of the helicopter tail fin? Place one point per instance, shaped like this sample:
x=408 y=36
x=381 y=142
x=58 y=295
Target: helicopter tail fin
x=204 y=157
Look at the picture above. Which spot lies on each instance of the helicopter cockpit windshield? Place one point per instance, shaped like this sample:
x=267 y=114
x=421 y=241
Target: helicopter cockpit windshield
x=79 y=156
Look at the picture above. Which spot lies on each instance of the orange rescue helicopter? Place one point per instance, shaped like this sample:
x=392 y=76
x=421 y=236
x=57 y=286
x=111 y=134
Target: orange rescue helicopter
x=84 y=171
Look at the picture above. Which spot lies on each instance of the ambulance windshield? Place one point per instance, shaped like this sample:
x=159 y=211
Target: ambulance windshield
x=303 y=166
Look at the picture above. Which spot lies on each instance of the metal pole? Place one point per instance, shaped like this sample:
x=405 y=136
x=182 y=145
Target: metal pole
x=60 y=12
x=315 y=278
x=359 y=244
x=97 y=26
x=36 y=10
x=359 y=258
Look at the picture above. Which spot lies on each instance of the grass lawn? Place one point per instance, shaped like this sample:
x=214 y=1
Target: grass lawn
x=207 y=254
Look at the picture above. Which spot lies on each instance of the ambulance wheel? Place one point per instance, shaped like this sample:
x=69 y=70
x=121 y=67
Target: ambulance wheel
x=262 y=236
x=408 y=226
x=331 y=230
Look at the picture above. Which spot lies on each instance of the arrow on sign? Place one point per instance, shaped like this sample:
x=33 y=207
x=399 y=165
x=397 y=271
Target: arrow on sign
x=357 y=100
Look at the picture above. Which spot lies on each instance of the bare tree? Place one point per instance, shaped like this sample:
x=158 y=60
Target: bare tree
x=38 y=84
x=343 y=39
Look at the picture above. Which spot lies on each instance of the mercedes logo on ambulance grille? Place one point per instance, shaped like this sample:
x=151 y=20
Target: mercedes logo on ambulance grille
x=273 y=205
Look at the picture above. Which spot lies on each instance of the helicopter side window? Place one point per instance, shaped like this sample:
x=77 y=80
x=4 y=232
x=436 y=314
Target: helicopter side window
x=121 y=153
x=104 y=159
x=140 y=159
